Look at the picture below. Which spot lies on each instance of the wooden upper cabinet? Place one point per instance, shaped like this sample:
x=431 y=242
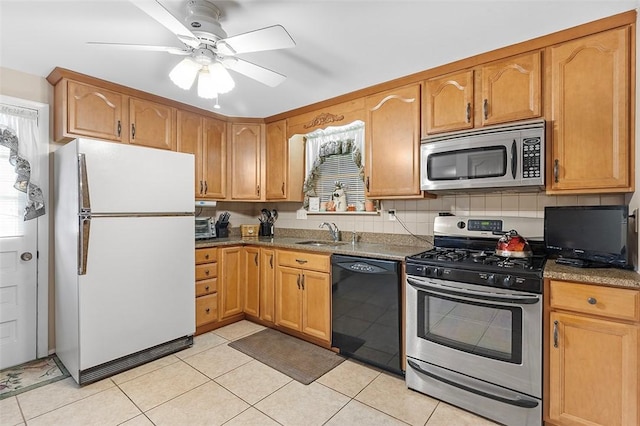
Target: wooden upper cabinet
x=276 y=161
x=392 y=143
x=284 y=164
x=448 y=103
x=511 y=89
x=206 y=139
x=91 y=111
x=245 y=172
x=590 y=110
x=189 y=140
x=151 y=124
x=214 y=159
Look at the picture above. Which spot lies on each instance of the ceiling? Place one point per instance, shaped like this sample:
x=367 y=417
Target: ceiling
x=341 y=46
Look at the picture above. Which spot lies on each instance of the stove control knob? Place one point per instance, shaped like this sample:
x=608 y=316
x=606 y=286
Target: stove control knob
x=437 y=272
x=491 y=279
x=461 y=225
x=508 y=281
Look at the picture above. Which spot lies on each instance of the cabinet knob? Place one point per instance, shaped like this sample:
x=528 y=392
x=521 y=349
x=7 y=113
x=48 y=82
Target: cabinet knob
x=469 y=112
x=133 y=130
x=301 y=261
x=207 y=310
x=206 y=256
x=485 y=108
x=592 y=300
x=206 y=272
x=207 y=288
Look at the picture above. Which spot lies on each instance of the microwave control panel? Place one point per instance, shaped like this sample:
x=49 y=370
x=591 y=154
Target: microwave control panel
x=531 y=153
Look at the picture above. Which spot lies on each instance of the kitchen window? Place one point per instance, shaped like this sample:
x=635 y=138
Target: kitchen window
x=335 y=155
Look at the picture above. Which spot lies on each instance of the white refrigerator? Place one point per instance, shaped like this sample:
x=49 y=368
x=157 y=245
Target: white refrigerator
x=124 y=256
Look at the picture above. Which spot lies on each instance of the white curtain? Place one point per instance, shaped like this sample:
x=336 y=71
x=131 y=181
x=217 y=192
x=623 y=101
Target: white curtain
x=319 y=137
x=19 y=133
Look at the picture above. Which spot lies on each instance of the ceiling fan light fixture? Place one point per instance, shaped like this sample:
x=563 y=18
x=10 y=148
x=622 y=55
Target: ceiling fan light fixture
x=223 y=81
x=184 y=74
x=206 y=85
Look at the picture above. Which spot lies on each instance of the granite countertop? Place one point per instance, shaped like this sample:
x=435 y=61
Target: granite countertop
x=603 y=276
x=363 y=249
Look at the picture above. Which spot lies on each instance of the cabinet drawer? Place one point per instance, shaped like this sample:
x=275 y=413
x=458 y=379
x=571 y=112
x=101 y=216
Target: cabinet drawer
x=206 y=255
x=206 y=271
x=206 y=287
x=597 y=300
x=206 y=309
x=294 y=259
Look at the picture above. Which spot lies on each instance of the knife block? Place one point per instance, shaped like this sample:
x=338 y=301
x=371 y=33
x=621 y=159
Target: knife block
x=222 y=231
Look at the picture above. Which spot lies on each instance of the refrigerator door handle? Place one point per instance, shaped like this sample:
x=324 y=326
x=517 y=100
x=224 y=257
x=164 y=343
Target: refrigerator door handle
x=83 y=243
x=83 y=186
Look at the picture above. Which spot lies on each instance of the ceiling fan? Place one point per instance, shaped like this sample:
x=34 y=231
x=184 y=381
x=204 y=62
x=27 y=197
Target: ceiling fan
x=207 y=49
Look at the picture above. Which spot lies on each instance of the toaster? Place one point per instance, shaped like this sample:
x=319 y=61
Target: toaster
x=205 y=228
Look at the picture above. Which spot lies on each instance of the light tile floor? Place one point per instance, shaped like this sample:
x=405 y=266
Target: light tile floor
x=213 y=384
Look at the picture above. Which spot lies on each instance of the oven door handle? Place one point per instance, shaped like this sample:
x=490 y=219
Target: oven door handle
x=518 y=401
x=437 y=290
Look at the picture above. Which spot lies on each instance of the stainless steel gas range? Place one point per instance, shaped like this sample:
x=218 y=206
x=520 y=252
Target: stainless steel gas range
x=474 y=319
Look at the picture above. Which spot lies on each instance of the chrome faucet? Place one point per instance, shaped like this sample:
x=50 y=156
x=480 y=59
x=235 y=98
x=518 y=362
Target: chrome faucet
x=333 y=230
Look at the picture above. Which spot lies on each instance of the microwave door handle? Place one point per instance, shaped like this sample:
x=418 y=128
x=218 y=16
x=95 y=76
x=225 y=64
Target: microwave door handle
x=514 y=158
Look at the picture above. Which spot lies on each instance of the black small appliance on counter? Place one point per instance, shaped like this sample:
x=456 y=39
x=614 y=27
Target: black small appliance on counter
x=587 y=236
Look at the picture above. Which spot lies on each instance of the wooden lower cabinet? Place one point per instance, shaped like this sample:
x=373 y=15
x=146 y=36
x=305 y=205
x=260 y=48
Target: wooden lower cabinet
x=251 y=280
x=267 y=284
x=206 y=287
x=230 y=291
x=592 y=353
x=303 y=295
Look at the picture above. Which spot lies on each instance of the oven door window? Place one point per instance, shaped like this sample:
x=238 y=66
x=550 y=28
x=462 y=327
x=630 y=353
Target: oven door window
x=485 y=329
x=473 y=163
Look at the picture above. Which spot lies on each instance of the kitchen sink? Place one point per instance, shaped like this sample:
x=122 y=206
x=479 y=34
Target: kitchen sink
x=318 y=243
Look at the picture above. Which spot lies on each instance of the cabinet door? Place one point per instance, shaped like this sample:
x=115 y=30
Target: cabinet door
x=189 y=140
x=251 y=281
x=448 y=103
x=95 y=112
x=288 y=298
x=230 y=290
x=267 y=284
x=276 y=161
x=393 y=143
x=590 y=110
x=214 y=159
x=593 y=371
x=511 y=89
x=245 y=172
x=151 y=124
x=316 y=304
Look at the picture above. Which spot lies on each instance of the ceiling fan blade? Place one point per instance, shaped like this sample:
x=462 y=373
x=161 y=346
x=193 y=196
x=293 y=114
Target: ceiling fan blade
x=165 y=18
x=256 y=72
x=269 y=38
x=125 y=46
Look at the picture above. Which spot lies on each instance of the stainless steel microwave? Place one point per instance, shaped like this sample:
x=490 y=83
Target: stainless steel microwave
x=498 y=157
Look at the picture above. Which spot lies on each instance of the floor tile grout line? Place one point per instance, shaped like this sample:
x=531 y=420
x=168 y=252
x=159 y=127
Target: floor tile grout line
x=24 y=419
x=69 y=403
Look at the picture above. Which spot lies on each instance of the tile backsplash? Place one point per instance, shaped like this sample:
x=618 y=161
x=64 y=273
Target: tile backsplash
x=417 y=215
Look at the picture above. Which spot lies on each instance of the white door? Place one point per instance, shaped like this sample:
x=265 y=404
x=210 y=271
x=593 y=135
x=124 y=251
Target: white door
x=18 y=272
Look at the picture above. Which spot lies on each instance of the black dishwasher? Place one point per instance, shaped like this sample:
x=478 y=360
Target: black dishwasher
x=366 y=310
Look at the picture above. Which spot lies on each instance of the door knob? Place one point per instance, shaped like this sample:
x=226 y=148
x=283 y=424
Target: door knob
x=26 y=256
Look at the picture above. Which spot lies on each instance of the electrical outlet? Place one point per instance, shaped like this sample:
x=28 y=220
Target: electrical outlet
x=392 y=214
x=301 y=214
